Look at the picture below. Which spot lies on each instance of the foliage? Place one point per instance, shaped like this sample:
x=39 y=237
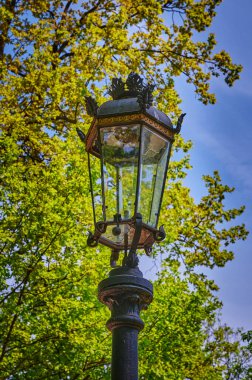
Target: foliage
x=196 y=233
x=228 y=347
x=176 y=345
x=52 y=55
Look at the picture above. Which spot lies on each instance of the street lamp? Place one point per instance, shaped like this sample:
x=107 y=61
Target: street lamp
x=132 y=141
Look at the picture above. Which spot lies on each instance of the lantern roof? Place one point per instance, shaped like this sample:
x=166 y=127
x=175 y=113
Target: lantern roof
x=132 y=97
x=132 y=105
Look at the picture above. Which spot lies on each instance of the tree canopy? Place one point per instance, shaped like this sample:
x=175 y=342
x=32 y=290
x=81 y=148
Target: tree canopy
x=52 y=55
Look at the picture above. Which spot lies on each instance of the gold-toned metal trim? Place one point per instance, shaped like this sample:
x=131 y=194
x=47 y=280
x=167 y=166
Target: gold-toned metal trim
x=123 y=119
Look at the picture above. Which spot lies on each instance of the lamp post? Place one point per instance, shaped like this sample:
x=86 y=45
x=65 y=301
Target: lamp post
x=128 y=146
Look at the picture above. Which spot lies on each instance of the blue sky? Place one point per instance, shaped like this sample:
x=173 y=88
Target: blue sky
x=222 y=138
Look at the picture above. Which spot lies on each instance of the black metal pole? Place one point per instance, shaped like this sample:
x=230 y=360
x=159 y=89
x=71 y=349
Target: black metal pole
x=126 y=293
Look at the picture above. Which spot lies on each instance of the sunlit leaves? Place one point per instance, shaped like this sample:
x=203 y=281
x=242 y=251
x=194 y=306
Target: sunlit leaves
x=197 y=229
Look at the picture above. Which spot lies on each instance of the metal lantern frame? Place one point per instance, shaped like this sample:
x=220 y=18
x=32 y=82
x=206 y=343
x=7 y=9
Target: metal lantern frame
x=131 y=106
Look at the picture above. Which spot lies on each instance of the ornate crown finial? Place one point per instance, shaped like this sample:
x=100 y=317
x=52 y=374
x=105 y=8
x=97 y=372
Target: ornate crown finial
x=133 y=87
x=117 y=88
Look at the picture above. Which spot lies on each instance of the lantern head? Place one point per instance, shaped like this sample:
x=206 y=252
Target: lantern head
x=128 y=146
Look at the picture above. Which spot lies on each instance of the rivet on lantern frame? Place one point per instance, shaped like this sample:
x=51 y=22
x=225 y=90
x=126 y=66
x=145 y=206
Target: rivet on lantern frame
x=132 y=140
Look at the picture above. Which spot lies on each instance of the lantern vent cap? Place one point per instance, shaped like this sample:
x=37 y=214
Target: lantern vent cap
x=131 y=106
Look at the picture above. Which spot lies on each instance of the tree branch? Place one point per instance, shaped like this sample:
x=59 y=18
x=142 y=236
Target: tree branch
x=12 y=324
x=10 y=6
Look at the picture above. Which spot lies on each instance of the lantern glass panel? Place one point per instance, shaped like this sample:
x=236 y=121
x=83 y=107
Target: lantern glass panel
x=120 y=149
x=96 y=187
x=154 y=156
x=125 y=238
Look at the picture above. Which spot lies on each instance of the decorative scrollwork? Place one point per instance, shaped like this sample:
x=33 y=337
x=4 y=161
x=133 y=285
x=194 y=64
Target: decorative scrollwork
x=160 y=234
x=179 y=123
x=117 y=88
x=91 y=106
x=145 y=97
x=81 y=135
x=134 y=83
x=92 y=241
x=148 y=250
x=101 y=227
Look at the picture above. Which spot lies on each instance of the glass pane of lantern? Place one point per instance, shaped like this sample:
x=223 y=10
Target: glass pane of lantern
x=110 y=189
x=120 y=148
x=160 y=178
x=96 y=188
x=124 y=239
x=154 y=155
